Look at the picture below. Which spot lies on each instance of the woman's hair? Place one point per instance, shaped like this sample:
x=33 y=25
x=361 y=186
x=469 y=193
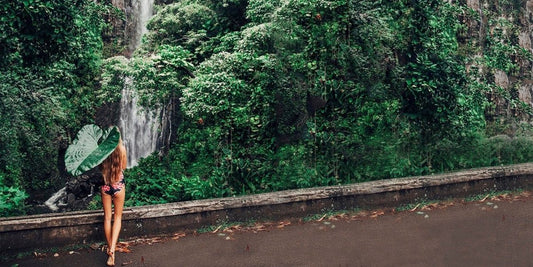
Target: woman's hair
x=113 y=165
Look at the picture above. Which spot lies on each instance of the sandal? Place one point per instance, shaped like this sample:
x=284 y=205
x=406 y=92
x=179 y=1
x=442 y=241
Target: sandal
x=111 y=259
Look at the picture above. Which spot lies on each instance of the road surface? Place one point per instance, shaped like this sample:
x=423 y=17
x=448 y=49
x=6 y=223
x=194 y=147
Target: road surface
x=495 y=231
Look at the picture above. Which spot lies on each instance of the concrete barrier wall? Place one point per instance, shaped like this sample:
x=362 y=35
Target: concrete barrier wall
x=84 y=227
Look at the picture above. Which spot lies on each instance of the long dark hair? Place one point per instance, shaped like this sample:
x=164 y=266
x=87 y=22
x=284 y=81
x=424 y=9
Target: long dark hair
x=113 y=165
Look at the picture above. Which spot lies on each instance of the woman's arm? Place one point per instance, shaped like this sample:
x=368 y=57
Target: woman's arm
x=124 y=158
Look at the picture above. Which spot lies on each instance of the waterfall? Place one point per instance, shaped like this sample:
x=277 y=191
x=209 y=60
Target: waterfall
x=57 y=199
x=139 y=126
x=141 y=12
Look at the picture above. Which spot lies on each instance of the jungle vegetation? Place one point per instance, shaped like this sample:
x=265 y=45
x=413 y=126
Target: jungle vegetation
x=273 y=94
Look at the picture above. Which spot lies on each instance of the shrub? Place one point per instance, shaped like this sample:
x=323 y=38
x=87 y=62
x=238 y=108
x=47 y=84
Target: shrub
x=11 y=199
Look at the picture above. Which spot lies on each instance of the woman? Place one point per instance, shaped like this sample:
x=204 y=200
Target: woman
x=113 y=192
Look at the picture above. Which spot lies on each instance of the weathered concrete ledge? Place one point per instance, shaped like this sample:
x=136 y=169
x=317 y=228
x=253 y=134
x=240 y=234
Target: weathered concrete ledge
x=56 y=230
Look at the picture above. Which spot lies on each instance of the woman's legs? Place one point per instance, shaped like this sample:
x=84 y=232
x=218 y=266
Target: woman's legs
x=118 y=201
x=106 y=202
x=112 y=230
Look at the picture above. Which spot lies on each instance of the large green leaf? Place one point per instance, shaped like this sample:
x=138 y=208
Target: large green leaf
x=90 y=148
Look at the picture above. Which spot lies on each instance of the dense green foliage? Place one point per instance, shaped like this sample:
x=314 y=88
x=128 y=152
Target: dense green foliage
x=310 y=93
x=273 y=94
x=11 y=199
x=49 y=58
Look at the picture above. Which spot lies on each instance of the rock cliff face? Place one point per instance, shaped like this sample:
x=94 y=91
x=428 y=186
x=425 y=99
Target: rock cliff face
x=501 y=32
x=121 y=39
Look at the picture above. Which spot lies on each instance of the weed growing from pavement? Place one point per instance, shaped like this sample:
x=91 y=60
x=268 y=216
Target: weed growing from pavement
x=477 y=197
x=418 y=204
x=493 y=193
x=413 y=206
x=328 y=214
x=223 y=225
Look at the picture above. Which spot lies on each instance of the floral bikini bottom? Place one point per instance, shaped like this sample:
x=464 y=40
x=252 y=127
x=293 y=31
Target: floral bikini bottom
x=114 y=188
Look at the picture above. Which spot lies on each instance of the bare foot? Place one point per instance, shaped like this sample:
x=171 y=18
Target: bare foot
x=111 y=258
